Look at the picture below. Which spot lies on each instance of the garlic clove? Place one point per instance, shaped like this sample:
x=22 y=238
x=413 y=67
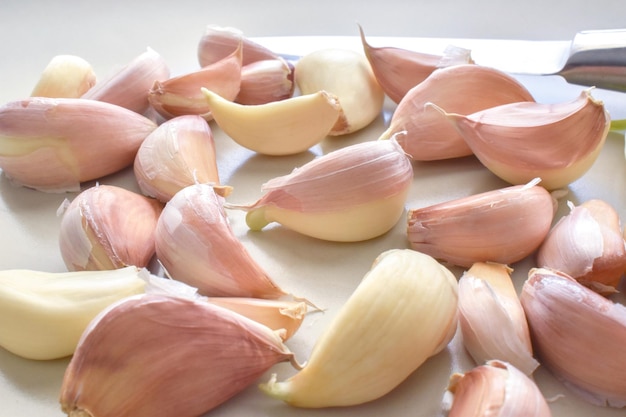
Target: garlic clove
x=347 y=75
x=108 y=227
x=266 y=81
x=491 y=317
x=463 y=89
x=578 y=335
x=477 y=228
x=67 y=76
x=156 y=355
x=587 y=244
x=352 y=194
x=282 y=127
x=403 y=312
x=54 y=144
x=496 y=388
x=43 y=314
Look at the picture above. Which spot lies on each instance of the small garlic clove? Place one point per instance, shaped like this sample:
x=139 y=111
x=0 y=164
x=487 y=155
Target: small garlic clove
x=496 y=388
x=491 y=317
x=43 y=314
x=403 y=312
x=54 y=144
x=578 y=335
x=156 y=355
x=464 y=89
x=282 y=127
x=352 y=194
x=587 y=244
x=347 y=75
x=266 y=81
x=108 y=227
x=65 y=76
x=478 y=228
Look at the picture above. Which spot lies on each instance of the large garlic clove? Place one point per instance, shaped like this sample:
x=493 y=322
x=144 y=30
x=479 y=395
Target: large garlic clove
x=426 y=134
x=43 y=314
x=477 y=228
x=355 y=193
x=521 y=141
x=496 y=389
x=347 y=75
x=197 y=246
x=587 y=244
x=491 y=317
x=403 y=312
x=397 y=70
x=54 y=144
x=578 y=335
x=67 y=76
x=108 y=227
x=154 y=355
x=129 y=86
x=179 y=153
x=266 y=81
x=282 y=127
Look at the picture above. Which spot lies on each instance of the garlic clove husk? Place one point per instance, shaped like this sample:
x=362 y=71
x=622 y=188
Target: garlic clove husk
x=282 y=127
x=266 y=81
x=496 y=388
x=67 y=76
x=156 y=355
x=352 y=194
x=54 y=144
x=477 y=228
x=347 y=75
x=587 y=244
x=403 y=312
x=557 y=142
x=491 y=317
x=463 y=89
x=43 y=314
x=578 y=335
x=197 y=246
x=108 y=227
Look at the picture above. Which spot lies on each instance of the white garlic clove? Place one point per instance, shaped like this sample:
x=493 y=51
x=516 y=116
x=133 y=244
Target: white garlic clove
x=67 y=76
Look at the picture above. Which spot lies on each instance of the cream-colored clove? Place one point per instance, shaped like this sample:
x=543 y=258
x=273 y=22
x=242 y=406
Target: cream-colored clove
x=65 y=76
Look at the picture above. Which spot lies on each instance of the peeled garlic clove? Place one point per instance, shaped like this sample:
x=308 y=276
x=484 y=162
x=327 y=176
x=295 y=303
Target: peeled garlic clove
x=578 y=335
x=492 y=319
x=521 y=141
x=128 y=87
x=67 y=76
x=54 y=144
x=43 y=314
x=154 y=355
x=397 y=70
x=478 y=228
x=351 y=194
x=197 y=246
x=266 y=81
x=282 y=127
x=403 y=312
x=426 y=134
x=587 y=244
x=347 y=75
x=496 y=389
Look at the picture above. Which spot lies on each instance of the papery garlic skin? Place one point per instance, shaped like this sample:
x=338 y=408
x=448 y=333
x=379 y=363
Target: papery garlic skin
x=266 y=81
x=155 y=355
x=67 y=76
x=403 y=312
x=43 y=314
x=569 y=323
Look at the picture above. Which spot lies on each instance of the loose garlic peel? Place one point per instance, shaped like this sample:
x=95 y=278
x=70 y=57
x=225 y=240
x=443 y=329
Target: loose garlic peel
x=266 y=81
x=68 y=76
x=403 y=311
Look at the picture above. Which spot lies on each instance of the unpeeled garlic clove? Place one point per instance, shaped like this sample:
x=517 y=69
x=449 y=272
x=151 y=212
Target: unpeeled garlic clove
x=578 y=335
x=403 y=312
x=478 y=228
x=354 y=193
x=157 y=355
x=65 y=76
x=54 y=144
x=491 y=317
x=587 y=244
x=266 y=81
x=426 y=134
x=496 y=389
